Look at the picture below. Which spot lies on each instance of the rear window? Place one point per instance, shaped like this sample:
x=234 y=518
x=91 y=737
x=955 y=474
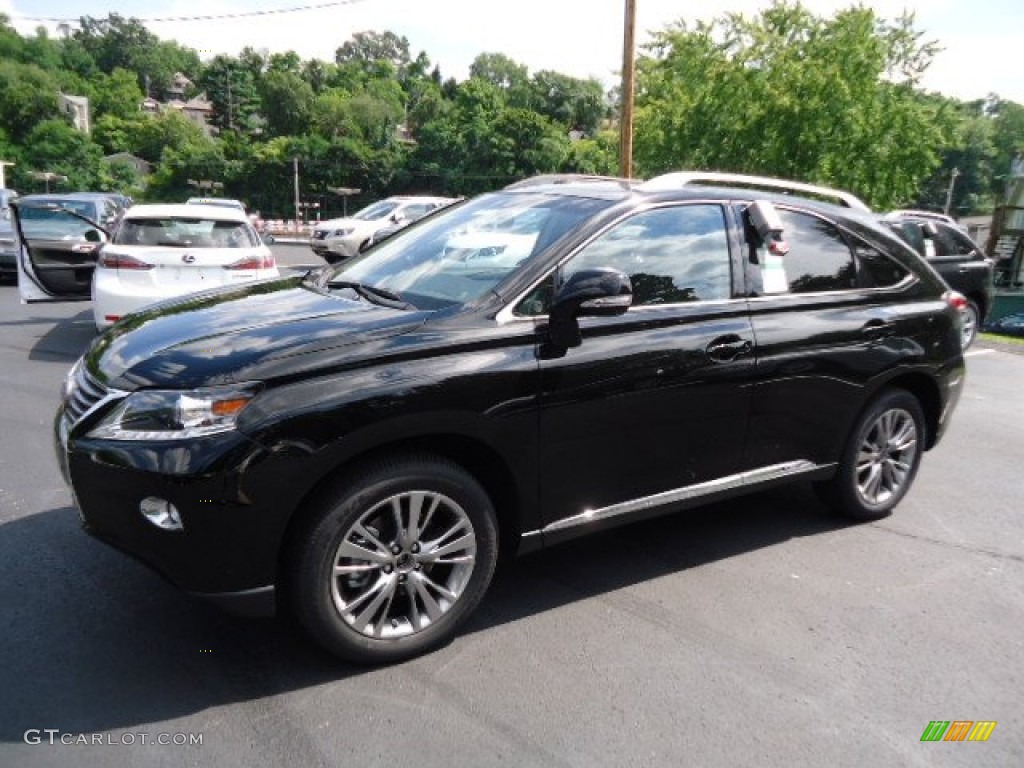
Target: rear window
x=186 y=233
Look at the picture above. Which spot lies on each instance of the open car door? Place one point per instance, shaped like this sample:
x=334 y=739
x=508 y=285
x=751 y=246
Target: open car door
x=56 y=252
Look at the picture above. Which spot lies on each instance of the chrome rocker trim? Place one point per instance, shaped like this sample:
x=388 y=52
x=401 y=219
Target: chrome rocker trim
x=730 y=482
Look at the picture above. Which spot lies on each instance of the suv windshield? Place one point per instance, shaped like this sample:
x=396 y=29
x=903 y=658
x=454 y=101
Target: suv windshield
x=456 y=256
x=376 y=211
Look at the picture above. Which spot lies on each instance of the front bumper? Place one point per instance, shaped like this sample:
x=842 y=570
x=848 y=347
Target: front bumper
x=234 y=520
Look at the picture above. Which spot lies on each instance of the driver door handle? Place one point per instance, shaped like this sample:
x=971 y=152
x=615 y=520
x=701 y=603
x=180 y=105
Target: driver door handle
x=727 y=348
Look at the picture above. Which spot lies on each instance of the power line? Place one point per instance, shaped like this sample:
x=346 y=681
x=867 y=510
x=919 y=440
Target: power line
x=211 y=17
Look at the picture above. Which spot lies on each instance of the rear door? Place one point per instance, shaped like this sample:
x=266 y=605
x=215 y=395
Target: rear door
x=830 y=315
x=56 y=252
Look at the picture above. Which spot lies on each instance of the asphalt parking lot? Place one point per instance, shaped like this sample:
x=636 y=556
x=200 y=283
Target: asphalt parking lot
x=760 y=632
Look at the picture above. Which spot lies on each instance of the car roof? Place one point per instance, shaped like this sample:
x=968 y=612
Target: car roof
x=222 y=202
x=186 y=211
x=80 y=196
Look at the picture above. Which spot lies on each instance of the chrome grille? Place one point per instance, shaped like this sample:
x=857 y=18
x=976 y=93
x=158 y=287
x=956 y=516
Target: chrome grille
x=83 y=393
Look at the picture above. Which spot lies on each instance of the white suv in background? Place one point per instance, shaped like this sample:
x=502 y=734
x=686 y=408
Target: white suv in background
x=338 y=239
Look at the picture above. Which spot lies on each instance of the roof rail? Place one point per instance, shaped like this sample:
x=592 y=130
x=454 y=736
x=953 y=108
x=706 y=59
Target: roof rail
x=713 y=178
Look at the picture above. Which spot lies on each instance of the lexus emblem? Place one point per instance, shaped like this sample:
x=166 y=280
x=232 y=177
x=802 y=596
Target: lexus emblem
x=188 y=258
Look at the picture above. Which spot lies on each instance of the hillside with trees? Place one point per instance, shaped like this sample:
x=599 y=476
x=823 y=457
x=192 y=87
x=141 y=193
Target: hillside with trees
x=832 y=100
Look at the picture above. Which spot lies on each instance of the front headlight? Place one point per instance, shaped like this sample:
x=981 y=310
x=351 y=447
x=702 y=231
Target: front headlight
x=175 y=414
x=342 y=232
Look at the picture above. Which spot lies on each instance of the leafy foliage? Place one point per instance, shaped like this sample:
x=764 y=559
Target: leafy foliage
x=786 y=92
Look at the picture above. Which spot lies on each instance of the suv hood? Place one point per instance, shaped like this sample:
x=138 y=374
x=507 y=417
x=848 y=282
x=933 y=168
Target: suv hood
x=247 y=333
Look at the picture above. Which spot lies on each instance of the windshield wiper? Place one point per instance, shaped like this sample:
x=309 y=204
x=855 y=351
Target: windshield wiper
x=372 y=293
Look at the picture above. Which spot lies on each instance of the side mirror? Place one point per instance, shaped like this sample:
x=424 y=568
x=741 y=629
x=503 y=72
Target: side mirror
x=267 y=238
x=595 y=292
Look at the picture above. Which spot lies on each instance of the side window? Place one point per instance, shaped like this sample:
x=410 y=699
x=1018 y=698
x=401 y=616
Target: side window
x=818 y=259
x=963 y=244
x=416 y=211
x=875 y=269
x=671 y=255
x=945 y=244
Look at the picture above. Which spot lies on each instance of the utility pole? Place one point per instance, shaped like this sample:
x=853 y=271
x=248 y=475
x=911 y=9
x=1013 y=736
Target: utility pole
x=3 y=173
x=298 y=204
x=626 y=111
x=949 y=192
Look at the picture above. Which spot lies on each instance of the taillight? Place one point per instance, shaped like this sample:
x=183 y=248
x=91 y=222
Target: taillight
x=122 y=261
x=265 y=261
x=955 y=300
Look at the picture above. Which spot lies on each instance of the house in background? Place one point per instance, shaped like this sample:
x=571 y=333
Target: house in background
x=77 y=108
x=196 y=109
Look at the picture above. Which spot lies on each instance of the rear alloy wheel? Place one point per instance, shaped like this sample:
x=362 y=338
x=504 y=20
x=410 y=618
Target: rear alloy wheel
x=881 y=458
x=971 y=318
x=396 y=561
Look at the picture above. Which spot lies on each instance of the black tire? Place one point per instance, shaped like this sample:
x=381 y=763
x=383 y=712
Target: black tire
x=873 y=478
x=972 y=321
x=391 y=605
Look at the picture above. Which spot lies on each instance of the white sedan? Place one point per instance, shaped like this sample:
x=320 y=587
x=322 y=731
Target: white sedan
x=163 y=251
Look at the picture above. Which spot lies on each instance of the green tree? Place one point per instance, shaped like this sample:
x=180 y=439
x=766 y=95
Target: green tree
x=1007 y=138
x=230 y=85
x=119 y=42
x=789 y=93
x=28 y=95
x=169 y=131
x=54 y=146
x=287 y=102
x=116 y=94
x=574 y=103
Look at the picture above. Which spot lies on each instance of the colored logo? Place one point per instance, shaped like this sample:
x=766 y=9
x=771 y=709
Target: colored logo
x=958 y=730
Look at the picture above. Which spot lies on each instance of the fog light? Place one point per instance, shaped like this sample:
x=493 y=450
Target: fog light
x=161 y=513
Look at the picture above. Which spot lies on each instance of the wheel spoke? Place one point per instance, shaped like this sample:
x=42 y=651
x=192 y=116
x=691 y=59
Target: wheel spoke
x=342 y=570
x=906 y=437
x=363 y=532
x=432 y=552
x=354 y=551
x=383 y=590
x=870 y=486
x=429 y=603
x=411 y=531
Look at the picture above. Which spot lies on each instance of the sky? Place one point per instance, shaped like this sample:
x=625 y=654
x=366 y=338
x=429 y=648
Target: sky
x=982 y=40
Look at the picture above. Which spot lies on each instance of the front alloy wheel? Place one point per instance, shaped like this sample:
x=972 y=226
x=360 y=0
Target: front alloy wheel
x=394 y=559
x=403 y=564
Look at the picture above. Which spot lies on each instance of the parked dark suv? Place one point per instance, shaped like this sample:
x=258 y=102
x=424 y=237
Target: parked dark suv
x=358 y=444
x=955 y=256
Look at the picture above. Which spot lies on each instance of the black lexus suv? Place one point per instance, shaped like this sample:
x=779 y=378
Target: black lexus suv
x=357 y=444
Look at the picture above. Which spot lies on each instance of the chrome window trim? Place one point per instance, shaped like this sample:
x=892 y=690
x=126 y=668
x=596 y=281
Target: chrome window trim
x=902 y=285
x=750 y=477
x=507 y=314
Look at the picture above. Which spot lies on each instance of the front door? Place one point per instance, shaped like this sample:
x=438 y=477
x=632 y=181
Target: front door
x=652 y=407
x=56 y=252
